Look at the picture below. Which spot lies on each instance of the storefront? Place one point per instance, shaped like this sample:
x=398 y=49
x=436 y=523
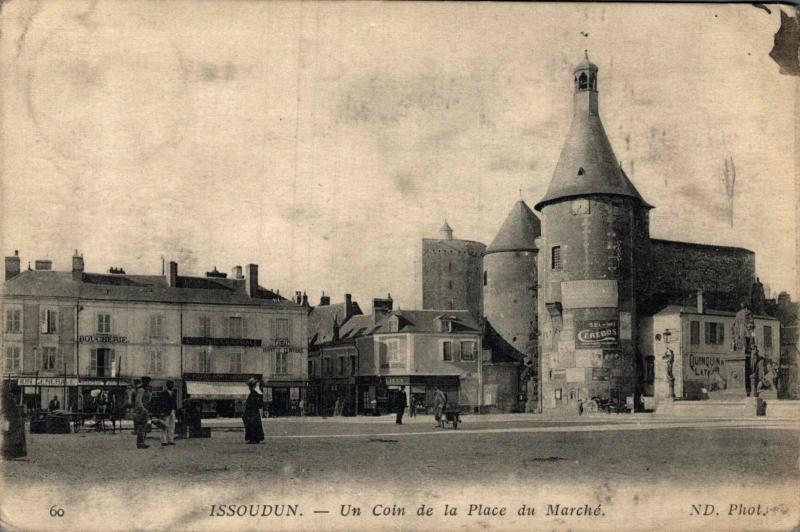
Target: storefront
x=37 y=392
x=218 y=394
x=379 y=392
x=282 y=397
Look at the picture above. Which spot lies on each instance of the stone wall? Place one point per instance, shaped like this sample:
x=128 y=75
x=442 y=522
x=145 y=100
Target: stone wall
x=452 y=275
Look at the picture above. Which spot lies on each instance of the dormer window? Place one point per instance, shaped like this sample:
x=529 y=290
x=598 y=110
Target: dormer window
x=393 y=324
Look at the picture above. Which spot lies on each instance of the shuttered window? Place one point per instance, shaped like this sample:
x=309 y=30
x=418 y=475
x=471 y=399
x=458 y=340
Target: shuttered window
x=14 y=320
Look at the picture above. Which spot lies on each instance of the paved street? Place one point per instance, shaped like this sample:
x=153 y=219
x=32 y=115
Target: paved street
x=606 y=455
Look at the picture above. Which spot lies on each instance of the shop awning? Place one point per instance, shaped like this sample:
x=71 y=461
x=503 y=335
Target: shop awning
x=213 y=391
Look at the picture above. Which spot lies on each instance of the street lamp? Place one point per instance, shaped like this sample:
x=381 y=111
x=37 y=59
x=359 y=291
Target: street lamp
x=669 y=358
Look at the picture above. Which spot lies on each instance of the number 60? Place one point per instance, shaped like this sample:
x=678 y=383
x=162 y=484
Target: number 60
x=56 y=512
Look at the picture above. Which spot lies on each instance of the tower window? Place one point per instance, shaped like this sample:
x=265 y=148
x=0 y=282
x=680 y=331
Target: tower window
x=556 y=258
x=583 y=82
x=581 y=171
x=485 y=277
x=450 y=285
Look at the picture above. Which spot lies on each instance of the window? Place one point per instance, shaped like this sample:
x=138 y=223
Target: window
x=310 y=368
x=694 y=332
x=203 y=362
x=485 y=277
x=103 y=363
x=234 y=327
x=49 y=322
x=392 y=357
x=449 y=266
x=155 y=327
x=767 y=336
x=353 y=365
x=204 y=326
x=714 y=333
x=555 y=263
x=156 y=362
x=468 y=350
x=50 y=358
x=326 y=366
x=281 y=361
x=447 y=351
x=650 y=370
x=13 y=360
x=450 y=285
x=14 y=320
x=582 y=81
x=282 y=328
x=341 y=365
x=104 y=324
x=393 y=324
x=236 y=363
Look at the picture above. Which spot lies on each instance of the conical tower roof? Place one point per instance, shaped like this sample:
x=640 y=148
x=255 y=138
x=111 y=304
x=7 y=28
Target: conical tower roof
x=587 y=165
x=518 y=232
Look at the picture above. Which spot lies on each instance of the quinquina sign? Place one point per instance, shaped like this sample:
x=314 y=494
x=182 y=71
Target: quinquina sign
x=591 y=334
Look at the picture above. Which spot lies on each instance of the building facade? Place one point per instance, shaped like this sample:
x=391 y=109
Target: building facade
x=452 y=273
x=70 y=331
x=706 y=363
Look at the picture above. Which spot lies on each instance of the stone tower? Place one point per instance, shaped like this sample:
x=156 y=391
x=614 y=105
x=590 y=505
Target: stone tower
x=510 y=284
x=595 y=245
x=452 y=271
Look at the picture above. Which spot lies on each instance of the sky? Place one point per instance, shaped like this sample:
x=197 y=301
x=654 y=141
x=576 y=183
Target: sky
x=323 y=141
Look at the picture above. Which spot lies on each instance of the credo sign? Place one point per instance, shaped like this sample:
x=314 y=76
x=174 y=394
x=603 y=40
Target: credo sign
x=591 y=334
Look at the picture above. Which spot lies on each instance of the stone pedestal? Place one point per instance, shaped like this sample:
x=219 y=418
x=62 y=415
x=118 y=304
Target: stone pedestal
x=665 y=406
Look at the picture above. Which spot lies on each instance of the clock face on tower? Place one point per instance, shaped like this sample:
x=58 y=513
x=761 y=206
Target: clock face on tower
x=580 y=206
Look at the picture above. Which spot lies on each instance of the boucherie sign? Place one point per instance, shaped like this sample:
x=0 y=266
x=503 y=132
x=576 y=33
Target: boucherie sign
x=596 y=333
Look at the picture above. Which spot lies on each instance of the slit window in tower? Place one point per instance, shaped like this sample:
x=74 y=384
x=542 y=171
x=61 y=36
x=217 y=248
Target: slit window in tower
x=485 y=277
x=581 y=171
x=556 y=258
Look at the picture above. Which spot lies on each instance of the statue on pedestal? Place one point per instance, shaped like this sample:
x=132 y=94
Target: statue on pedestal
x=669 y=358
x=743 y=329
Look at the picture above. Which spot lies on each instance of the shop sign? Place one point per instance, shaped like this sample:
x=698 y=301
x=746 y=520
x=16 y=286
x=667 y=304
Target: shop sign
x=558 y=374
x=102 y=339
x=702 y=367
x=102 y=382
x=221 y=377
x=47 y=381
x=591 y=334
x=221 y=342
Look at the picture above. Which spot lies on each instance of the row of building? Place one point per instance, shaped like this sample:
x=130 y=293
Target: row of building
x=573 y=303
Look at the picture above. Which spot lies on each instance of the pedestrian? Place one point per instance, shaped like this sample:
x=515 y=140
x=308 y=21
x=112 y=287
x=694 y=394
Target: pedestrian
x=54 y=404
x=141 y=411
x=337 y=407
x=13 y=441
x=171 y=409
x=302 y=406
x=439 y=405
x=253 y=430
x=400 y=405
x=412 y=411
x=79 y=410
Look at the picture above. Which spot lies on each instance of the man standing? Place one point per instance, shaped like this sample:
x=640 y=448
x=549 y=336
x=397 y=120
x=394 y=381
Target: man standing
x=171 y=407
x=54 y=404
x=400 y=405
x=439 y=406
x=140 y=412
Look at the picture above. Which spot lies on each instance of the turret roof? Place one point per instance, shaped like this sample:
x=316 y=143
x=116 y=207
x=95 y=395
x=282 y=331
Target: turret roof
x=587 y=165
x=518 y=232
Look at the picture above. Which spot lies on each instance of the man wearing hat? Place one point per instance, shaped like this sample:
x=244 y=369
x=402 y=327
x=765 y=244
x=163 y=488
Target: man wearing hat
x=141 y=407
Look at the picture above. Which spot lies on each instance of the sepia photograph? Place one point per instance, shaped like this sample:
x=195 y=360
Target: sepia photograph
x=312 y=265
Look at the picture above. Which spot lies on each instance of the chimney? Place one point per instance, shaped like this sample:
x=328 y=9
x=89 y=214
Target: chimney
x=77 y=267
x=237 y=273
x=336 y=328
x=305 y=300
x=381 y=307
x=298 y=297
x=251 y=279
x=216 y=274
x=348 y=306
x=784 y=299
x=12 y=265
x=172 y=274
x=700 y=302
x=324 y=300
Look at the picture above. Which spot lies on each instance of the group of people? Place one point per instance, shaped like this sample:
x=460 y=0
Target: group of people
x=439 y=406
x=163 y=412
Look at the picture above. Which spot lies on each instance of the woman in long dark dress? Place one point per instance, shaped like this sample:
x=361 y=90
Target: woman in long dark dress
x=253 y=431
